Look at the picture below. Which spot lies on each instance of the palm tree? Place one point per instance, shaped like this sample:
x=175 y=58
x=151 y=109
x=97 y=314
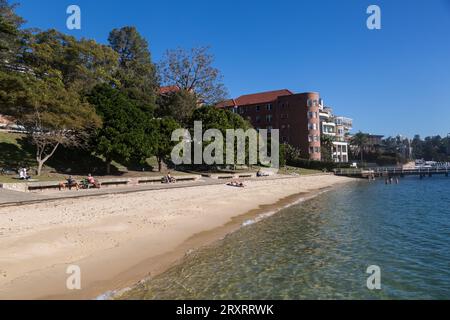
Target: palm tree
x=326 y=141
x=359 y=141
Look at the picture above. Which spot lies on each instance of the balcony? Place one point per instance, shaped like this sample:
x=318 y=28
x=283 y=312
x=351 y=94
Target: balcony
x=345 y=122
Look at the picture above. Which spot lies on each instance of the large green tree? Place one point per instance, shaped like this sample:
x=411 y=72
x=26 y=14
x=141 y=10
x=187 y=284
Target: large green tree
x=10 y=24
x=163 y=145
x=193 y=71
x=40 y=84
x=136 y=73
x=51 y=115
x=178 y=105
x=82 y=64
x=127 y=131
x=220 y=119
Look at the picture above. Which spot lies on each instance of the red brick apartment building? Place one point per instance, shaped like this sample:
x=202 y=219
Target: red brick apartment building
x=295 y=115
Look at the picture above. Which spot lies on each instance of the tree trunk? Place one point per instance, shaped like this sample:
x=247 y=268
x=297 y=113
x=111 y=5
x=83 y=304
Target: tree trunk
x=39 y=153
x=40 y=165
x=159 y=163
x=108 y=166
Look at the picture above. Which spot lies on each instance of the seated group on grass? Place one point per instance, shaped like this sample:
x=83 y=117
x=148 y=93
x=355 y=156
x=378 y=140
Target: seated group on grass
x=23 y=175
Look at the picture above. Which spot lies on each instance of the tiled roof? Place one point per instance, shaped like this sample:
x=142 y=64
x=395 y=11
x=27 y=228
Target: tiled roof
x=168 y=89
x=256 y=98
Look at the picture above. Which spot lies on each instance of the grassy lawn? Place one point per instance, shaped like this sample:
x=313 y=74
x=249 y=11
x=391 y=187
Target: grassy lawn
x=15 y=152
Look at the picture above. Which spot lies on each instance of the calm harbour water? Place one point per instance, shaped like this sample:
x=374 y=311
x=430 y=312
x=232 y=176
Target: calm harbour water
x=320 y=249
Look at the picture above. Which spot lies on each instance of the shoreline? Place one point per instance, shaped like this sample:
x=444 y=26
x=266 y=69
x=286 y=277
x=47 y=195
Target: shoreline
x=210 y=238
x=126 y=239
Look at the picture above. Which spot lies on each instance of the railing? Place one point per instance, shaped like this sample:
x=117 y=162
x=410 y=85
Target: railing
x=392 y=171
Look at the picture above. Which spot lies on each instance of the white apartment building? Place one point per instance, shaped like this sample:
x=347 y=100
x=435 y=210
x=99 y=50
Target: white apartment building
x=338 y=128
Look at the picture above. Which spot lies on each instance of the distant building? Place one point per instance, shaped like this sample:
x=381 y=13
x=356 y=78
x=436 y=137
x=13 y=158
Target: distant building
x=374 y=140
x=296 y=115
x=8 y=124
x=168 y=90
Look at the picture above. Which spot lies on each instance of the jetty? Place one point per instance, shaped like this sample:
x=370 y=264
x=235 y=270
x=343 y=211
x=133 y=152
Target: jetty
x=392 y=172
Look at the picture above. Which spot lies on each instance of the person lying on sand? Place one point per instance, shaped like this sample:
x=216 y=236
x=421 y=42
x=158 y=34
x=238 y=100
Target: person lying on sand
x=235 y=183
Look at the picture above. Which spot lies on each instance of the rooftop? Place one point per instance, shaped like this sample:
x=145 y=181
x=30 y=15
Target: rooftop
x=256 y=98
x=168 y=89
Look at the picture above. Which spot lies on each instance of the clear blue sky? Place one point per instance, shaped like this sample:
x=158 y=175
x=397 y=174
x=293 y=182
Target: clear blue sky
x=392 y=81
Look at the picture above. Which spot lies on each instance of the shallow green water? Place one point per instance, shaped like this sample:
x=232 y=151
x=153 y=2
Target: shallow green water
x=321 y=249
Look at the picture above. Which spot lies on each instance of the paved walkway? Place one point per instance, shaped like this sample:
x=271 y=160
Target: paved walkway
x=15 y=198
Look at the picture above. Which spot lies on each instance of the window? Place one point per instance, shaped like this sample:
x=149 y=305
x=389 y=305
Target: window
x=310 y=139
x=316 y=138
x=269 y=118
x=269 y=107
x=309 y=103
x=284 y=139
x=316 y=150
x=258 y=119
x=312 y=126
x=312 y=115
x=258 y=108
x=241 y=110
x=311 y=150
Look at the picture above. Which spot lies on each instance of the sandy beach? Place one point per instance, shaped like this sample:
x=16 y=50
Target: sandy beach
x=120 y=239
